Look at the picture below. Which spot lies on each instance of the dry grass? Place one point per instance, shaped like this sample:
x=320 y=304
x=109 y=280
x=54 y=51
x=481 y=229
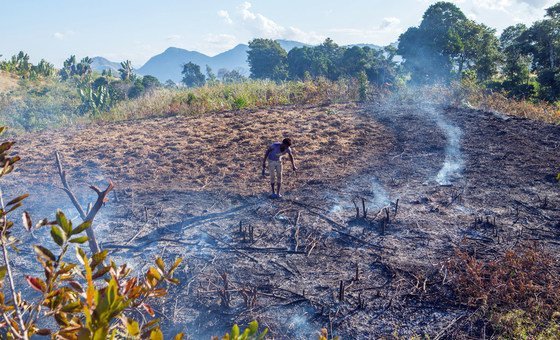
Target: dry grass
x=226 y=97
x=494 y=101
x=475 y=97
x=221 y=151
x=7 y=82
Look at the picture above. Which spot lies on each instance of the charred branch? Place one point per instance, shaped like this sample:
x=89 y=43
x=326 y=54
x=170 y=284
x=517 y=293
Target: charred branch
x=93 y=209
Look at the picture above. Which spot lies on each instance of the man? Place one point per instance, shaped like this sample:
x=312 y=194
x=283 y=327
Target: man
x=274 y=155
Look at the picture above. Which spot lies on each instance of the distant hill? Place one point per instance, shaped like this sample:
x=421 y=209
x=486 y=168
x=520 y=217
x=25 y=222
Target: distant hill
x=168 y=64
x=99 y=64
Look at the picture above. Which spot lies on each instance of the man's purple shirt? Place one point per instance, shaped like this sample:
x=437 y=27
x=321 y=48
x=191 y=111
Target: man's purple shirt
x=275 y=151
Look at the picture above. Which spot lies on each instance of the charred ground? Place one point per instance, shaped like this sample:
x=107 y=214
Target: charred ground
x=190 y=186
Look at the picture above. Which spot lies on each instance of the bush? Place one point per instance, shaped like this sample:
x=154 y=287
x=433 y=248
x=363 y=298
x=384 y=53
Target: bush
x=519 y=292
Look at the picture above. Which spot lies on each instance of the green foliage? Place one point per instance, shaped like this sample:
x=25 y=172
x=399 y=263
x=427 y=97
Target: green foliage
x=73 y=69
x=363 y=83
x=192 y=77
x=150 y=82
x=19 y=64
x=446 y=44
x=240 y=103
x=91 y=298
x=267 y=60
x=210 y=76
x=250 y=333
x=126 y=71
x=94 y=99
x=231 y=77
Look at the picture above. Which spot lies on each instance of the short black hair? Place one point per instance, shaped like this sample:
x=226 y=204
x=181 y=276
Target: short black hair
x=287 y=141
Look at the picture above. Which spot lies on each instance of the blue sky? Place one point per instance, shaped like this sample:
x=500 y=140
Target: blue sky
x=137 y=30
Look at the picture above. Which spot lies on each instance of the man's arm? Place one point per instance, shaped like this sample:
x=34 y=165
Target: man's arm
x=292 y=160
x=264 y=159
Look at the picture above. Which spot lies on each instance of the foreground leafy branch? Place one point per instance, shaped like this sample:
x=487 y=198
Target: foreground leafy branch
x=85 y=298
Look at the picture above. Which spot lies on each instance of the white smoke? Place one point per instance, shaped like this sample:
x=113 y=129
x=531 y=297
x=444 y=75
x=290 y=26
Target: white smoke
x=380 y=196
x=453 y=164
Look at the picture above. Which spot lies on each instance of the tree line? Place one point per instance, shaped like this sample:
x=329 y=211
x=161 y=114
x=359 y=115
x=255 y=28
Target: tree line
x=445 y=47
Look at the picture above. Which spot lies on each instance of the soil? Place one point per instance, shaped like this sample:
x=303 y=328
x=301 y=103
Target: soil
x=191 y=187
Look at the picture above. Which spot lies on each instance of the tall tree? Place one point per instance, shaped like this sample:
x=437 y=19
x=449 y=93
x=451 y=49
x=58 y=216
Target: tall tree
x=428 y=50
x=192 y=77
x=516 y=62
x=126 y=71
x=542 y=42
x=267 y=60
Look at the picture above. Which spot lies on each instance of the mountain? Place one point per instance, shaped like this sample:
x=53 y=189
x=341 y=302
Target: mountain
x=372 y=46
x=168 y=64
x=289 y=44
x=99 y=64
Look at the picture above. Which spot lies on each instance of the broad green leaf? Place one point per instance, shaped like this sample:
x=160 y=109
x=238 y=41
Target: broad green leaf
x=253 y=327
x=63 y=222
x=57 y=235
x=81 y=227
x=234 y=331
x=44 y=253
x=72 y=307
x=79 y=240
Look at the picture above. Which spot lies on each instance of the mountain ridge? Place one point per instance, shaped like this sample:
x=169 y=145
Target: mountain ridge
x=167 y=65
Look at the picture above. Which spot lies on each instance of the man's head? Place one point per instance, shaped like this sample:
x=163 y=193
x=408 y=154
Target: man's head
x=286 y=143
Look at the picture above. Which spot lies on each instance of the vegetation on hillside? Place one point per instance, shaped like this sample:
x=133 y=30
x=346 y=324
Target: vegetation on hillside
x=446 y=48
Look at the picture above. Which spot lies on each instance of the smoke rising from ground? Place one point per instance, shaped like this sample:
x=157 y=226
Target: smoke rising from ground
x=380 y=196
x=453 y=163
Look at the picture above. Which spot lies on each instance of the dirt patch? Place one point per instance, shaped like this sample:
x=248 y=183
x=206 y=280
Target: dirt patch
x=7 y=82
x=190 y=186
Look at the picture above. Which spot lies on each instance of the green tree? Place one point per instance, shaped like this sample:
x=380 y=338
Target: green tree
x=69 y=68
x=126 y=71
x=231 y=77
x=192 y=76
x=44 y=68
x=267 y=60
x=427 y=50
x=516 y=63
x=210 y=76
x=447 y=44
x=542 y=42
x=150 y=82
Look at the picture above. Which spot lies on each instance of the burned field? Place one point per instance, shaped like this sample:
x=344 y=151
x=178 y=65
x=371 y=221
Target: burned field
x=383 y=196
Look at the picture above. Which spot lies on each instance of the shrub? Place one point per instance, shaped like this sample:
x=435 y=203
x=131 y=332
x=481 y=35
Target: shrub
x=519 y=291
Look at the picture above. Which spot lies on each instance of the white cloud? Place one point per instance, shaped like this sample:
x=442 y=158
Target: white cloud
x=225 y=15
x=384 y=32
x=263 y=27
x=63 y=35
